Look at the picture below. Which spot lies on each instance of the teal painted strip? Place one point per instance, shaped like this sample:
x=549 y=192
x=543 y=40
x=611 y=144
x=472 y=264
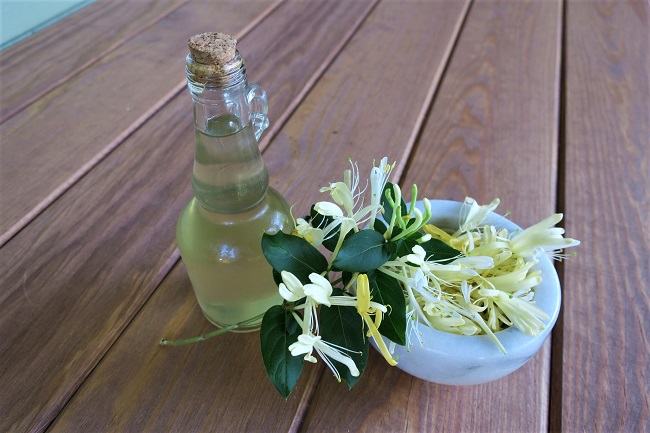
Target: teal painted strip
x=20 y=19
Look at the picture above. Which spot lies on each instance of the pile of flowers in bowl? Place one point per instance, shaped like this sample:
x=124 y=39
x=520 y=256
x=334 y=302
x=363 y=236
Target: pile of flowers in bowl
x=365 y=265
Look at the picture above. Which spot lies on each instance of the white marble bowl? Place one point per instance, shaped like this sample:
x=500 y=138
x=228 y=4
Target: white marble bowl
x=452 y=359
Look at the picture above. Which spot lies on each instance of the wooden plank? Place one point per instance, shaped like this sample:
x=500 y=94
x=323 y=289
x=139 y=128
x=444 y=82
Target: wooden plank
x=491 y=132
x=75 y=278
x=55 y=141
x=603 y=370
x=195 y=388
x=41 y=62
x=346 y=114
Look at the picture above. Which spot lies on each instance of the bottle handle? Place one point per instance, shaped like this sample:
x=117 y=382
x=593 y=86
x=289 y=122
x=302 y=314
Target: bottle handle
x=259 y=109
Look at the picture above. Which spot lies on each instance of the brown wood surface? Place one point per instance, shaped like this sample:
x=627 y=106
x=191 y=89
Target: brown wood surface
x=603 y=373
x=365 y=107
x=56 y=140
x=43 y=61
x=79 y=287
x=495 y=99
x=543 y=103
x=218 y=385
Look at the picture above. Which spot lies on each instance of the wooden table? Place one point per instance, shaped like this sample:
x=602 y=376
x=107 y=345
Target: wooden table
x=544 y=104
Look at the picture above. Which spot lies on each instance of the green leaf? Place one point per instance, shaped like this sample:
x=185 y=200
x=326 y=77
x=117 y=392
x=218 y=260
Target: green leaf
x=346 y=277
x=386 y=290
x=294 y=254
x=439 y=251
x=380 y=226
x=277 y=278
x=344 y=327
x=362 y=252
x=277 y=334
x=401 y=247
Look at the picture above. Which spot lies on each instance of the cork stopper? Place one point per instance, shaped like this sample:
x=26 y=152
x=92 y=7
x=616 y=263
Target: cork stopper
x=212 y=48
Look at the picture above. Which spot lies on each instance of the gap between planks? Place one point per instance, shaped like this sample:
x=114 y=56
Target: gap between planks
x=554 y=420
x=88 y=166
x=427 y=106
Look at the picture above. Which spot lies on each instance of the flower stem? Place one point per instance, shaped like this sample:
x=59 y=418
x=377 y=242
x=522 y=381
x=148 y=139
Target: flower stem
x=166 y=342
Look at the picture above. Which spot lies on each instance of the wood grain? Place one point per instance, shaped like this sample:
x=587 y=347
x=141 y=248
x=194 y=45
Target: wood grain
x=218 y=385
x=492 y=131
x=368 y=102
x=604 y=381
x=74 y=279
x=43 y=61
x=52 y=143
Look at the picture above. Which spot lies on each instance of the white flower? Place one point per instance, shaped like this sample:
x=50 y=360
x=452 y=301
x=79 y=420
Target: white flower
x=475 y=214
x=525 y=315
x=320 y=290
x=327 y=208
x=418 y=258
x=518 y=278
x=540 y=237
x=308 y=342
x=291 y=288
x=317 y=292
x=347 y=210
x=313 y=235
x=342 y=195
x=378 y=179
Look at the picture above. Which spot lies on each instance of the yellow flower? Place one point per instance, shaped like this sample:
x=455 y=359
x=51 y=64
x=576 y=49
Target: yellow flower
x=365 y=309
x=313 y=235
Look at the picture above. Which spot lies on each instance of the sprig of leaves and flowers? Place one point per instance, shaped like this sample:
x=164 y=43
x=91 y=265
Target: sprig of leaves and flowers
x=353 y=270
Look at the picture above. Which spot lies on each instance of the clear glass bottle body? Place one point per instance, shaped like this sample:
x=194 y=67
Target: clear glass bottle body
x=220 y=230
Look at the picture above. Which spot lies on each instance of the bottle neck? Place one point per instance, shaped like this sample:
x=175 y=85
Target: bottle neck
x=229 y=175
x=216 y=103
x=218 y=90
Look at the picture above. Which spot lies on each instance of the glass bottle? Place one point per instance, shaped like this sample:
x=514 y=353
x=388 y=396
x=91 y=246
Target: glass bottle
x=219 y=231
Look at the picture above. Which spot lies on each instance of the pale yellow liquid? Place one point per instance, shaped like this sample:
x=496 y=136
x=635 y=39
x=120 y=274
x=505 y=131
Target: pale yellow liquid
x=222 y=250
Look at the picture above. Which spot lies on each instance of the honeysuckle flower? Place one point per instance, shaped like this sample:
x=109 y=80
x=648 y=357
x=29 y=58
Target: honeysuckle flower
x=365 y=310
x=291 y=288
x=540 y=237
x=313 y=235
x=342 y=195
x=347 y=210
x=315 y=293
x=307 y=343
x=418 y=258
x=475 y=262
x=438 y=233
x=517 y=278
x=327 y=208
x=524 y=315
x=476 y=214
x=319 y=290
x=378 y=178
